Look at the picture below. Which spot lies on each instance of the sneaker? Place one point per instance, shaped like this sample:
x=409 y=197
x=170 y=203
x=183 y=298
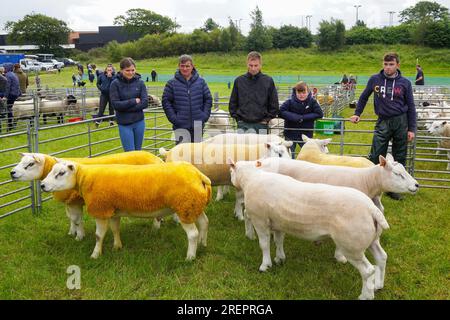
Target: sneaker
x=394 y=196
x=111 y=123
x=97 y=124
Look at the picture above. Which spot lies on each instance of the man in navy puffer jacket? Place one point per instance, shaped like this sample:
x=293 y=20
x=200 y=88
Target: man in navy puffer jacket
x=12 y=91
x=299 y=112
x=187 y=102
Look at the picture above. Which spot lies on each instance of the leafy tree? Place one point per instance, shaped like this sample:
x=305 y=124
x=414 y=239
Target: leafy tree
x=46 y=32
x=226 y=44
x=258 y=38
x=200 y=41
x=331 y=35
x=291 y=36
x=424 y=11
x=438 y=34
x=209 y=25
x=142 y=22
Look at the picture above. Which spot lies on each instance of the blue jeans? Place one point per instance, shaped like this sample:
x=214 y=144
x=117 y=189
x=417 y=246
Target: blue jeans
x=132 y=135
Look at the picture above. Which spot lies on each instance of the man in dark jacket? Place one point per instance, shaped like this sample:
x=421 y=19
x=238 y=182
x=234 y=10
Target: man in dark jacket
x=394 y=106
x=254 y=99
x=299 y=113
x=12 y=91
x=103 y=84
x=420 y=78
x=187 y=102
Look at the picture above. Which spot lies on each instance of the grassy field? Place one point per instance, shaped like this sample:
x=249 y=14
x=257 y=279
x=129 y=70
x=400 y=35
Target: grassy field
x=36 y=250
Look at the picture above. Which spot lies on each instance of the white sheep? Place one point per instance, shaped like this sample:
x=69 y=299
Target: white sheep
x=211 y=160
x=218 y=123
x=442 y=129
x=244 y=138
x=313 y=211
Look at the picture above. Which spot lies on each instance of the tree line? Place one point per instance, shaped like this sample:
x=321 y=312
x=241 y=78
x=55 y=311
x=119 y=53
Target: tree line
x=426 y=24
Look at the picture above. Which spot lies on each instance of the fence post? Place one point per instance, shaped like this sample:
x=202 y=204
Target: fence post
x=32 y=183
x=342 y=136
x=36 y=104
x=216 y=101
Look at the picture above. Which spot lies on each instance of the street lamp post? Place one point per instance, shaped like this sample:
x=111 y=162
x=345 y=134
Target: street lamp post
x=357 y=6
x=308 y=22
x=391 y=18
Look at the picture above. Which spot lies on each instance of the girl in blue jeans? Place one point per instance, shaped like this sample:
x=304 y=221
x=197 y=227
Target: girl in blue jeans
x=128 y=95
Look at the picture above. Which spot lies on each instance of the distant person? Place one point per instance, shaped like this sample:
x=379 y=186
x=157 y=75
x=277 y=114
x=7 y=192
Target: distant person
x=128 y=95
x=80 y=83
x=299 y=112
x=23 y=78
x=394 y=106
x=37 y=80
x=103 y=84
x=420 y=78
x=187 y=102
x=12 y=92
x=91 y=77
x=3 y=82
x=254 y=99
x=74 y=80
x=154 y=75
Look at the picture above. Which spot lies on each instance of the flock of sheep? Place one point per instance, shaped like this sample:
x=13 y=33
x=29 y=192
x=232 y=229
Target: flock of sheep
x=274 y=194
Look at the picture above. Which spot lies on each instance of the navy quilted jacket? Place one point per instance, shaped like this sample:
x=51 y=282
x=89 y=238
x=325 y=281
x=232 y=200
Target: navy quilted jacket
x=122 y=96
x=186 y=101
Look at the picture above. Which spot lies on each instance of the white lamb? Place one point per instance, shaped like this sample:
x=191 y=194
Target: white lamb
x=280 y=204
x=442 y=129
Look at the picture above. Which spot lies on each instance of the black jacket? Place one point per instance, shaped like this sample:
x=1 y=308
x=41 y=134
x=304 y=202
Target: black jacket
x=299 y=114
x=254 y=98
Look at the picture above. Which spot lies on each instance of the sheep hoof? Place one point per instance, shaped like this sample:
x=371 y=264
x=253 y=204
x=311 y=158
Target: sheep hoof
x=264 y=267
x=366 y=296
x=341 y=259
x=250 y=235
x=190 y=258
x=280 y=260
x=95 y=255
x=79 y=237
x=117 y=247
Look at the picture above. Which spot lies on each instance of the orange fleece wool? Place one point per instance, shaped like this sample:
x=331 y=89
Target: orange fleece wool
x=72 y=196
x=142 y=189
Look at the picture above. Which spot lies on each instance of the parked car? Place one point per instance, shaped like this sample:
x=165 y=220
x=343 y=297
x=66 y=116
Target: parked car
x=55 y=64
x=30 y=65
x=68 y=62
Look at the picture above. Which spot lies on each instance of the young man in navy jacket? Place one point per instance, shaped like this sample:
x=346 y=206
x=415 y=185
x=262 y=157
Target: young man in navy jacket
x=394 y=106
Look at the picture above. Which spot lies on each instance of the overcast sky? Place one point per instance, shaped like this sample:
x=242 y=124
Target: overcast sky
x=87 y=15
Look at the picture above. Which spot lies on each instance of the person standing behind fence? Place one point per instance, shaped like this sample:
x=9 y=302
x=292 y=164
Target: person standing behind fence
x=394 y=106
x=420 y=78
x=12 y=92
x=128 y=96
x=23 y=78
x=154 y=75
x=299 y=112
x=187 y=102
x=254 y=99
x=104 y=81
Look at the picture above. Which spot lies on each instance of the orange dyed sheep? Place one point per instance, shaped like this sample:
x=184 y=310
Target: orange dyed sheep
x=137 y=191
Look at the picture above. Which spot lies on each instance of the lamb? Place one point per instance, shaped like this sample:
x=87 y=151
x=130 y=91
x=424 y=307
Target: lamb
x=211 y=160
x=36 y=166
x=137 y=191
x=218 y=123
x=388 y=176
x=314 y=150
x=442 y=129
x=345 y=215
